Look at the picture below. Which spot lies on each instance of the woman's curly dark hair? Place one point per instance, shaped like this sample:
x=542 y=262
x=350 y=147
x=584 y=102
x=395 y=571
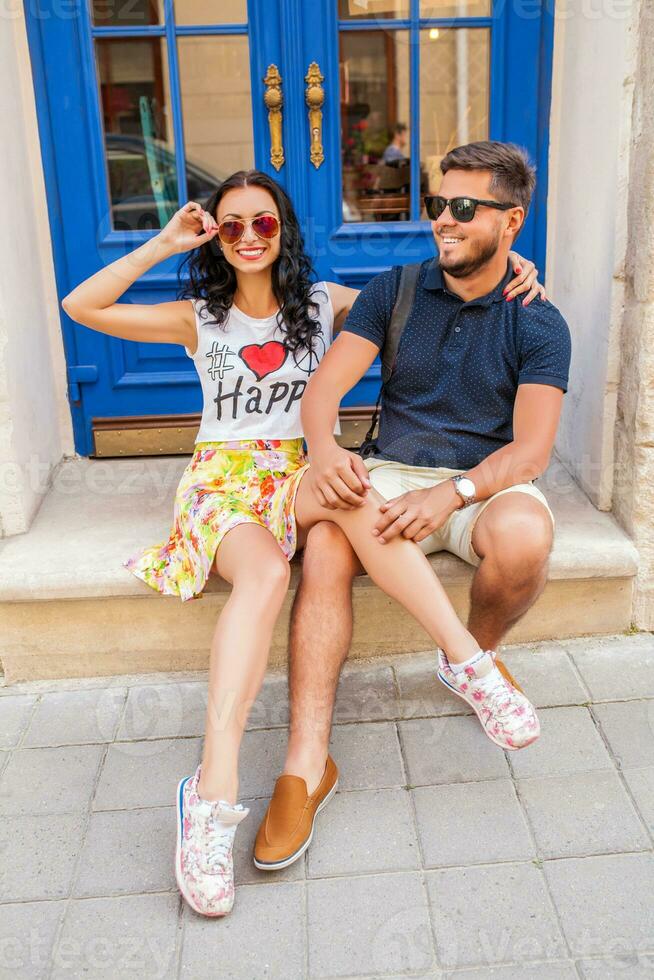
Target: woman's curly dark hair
x=212 y=278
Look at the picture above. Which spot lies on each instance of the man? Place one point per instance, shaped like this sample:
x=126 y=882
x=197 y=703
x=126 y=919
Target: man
x=394 y=152
x=477 y=390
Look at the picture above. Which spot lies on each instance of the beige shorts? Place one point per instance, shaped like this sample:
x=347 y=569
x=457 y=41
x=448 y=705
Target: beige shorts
x=391 y=479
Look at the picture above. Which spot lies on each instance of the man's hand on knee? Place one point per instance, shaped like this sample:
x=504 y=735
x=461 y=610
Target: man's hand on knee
x=416 y=514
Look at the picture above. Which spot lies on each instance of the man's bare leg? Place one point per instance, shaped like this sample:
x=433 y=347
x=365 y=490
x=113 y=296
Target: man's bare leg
x=513 y=537
x=322 y=624
x=320 y=636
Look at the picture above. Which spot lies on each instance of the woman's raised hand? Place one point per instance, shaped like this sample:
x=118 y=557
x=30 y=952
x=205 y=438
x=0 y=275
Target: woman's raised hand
x=94 y=302
x=189 y=227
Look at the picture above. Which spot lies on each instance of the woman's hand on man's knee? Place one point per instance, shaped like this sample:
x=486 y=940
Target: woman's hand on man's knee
x=338 y=478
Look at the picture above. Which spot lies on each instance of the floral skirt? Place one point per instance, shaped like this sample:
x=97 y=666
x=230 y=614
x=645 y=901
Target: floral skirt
x=225 y=484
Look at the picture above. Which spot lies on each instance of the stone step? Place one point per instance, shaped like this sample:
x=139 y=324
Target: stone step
x=68 y=608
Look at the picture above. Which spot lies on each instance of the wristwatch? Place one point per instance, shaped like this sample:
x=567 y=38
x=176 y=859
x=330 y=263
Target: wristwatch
x=465 y=489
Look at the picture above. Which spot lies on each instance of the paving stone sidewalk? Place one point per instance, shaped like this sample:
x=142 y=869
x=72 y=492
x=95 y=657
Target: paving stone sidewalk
x=440 y=855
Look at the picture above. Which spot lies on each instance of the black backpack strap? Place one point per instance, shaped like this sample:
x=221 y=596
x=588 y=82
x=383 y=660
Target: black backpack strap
x=403 y=302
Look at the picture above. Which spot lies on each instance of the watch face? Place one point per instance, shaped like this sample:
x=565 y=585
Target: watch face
x=467 y=487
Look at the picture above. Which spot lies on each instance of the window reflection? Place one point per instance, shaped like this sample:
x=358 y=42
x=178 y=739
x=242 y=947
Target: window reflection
x=126 y=13
x=140 y=151
x=374 y=67
x=455 y=8
x=211 y=12
x=217 y=103
x=454 y=80
x=373 y=9
x=454 y=93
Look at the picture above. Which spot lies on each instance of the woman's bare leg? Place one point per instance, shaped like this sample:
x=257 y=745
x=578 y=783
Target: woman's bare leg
x=398 y=567
x=252 y=561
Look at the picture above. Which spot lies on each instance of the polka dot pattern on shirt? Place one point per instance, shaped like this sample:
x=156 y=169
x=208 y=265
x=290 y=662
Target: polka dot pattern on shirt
x=449 y=401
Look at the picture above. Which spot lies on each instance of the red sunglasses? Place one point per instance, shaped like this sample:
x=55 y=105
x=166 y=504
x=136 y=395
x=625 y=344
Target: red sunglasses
x=231 y=230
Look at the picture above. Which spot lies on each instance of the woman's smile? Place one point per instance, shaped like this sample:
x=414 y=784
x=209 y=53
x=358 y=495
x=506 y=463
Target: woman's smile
x=251 y=252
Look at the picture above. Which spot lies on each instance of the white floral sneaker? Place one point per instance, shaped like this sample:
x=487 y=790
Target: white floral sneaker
x=204 y=865
x=507 y=716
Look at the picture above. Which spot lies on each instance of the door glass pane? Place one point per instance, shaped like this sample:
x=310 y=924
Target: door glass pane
x=139 y=144
x=455 y=8
x=375 y=9
x=454 y=94
x=119 y=13
x=374 y=76
x=211 y=12
x=216 y=108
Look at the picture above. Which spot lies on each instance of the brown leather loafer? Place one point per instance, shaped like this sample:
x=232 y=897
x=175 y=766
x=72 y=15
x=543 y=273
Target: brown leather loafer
x=287 y=827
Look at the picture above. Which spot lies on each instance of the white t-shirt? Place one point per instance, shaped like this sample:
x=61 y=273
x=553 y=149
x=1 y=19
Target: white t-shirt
x=251 y=384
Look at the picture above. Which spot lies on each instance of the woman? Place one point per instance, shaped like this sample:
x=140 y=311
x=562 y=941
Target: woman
x=256 y=328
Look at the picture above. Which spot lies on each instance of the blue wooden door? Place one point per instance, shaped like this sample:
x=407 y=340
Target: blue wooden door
x=144 y=104
x=445 y=72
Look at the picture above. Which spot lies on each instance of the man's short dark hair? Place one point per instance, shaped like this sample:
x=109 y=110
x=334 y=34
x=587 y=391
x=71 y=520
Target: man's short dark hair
x=513 y=176
x=399 y=128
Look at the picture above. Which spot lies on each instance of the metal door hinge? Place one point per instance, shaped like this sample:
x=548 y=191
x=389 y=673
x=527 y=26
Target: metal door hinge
x=80 y=374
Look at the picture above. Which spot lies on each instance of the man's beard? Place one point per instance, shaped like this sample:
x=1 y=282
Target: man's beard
x=483 y=252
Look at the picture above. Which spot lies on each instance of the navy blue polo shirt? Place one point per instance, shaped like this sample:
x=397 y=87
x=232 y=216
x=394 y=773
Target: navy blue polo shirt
x=449 y=401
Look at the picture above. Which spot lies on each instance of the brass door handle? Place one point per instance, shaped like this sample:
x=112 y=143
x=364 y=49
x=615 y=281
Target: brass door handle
x=274 y=101
x=315 y=97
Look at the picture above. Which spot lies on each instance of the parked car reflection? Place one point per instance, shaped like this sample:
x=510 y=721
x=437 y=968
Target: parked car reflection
x=143 y=190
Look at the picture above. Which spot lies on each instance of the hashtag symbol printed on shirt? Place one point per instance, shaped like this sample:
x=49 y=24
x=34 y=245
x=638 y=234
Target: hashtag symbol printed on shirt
x=219 y=364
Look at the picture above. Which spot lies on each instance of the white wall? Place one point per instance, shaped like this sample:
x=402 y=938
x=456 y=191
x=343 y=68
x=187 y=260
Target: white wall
x=591 y=128
x=35 y=422
x=633 y=498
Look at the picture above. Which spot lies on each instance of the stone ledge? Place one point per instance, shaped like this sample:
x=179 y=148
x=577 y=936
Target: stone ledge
x=98 y=512
x=127 y=635
x=68 y=608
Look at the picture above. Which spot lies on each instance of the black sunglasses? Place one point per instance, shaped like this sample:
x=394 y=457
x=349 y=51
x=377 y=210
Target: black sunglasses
x=461 y=208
